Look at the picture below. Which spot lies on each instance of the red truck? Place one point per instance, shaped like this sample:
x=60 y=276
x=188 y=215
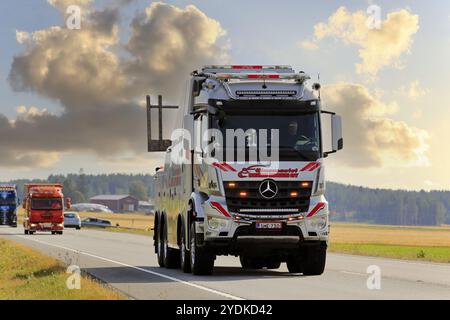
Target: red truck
x=44 y=208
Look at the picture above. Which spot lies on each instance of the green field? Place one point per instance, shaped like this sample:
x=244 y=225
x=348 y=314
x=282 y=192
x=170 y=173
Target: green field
x=434 y=254
x=28 y=275
x=400 y=242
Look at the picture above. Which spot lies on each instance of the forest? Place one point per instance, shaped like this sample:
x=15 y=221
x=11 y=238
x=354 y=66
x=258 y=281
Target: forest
x=347 y=203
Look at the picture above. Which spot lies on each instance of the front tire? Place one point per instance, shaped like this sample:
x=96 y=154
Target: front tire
x=316 y=258
x=251 y=263
x=202 y=262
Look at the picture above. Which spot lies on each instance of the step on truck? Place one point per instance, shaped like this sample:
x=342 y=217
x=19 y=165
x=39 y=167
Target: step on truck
x=9 y=202
x=245 y=175
x=44 y=208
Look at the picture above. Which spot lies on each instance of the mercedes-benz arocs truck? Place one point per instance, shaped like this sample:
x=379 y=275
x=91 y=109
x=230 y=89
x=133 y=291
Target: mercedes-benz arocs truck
x=251 y=179
x=44 y=208
x=9 y=202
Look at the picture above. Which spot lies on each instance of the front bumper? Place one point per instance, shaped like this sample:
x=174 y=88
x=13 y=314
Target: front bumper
x=46 y=227
x=301 y=226
x=8 y=219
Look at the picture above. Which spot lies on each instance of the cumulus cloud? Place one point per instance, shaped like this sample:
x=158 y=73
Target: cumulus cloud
x=181 y=39
x=414 y=90
x=62 y=5
x=378 y=47
x=97 y=85
x=372 y=139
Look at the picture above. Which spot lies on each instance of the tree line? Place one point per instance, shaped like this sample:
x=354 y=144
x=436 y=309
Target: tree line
x=81 y=187
x=382 y=206
x=347 y=203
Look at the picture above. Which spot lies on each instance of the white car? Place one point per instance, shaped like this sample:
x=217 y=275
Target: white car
x=72 y=220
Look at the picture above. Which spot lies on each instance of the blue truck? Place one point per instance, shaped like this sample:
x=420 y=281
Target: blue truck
x=9 y=203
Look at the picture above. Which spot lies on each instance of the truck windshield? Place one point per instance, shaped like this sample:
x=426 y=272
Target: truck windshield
x=46 y=204
x=299 y=134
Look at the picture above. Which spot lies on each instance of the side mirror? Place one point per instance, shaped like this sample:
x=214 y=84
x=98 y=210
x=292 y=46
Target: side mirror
x=68 y=203
x=337 y=140
x=336 y=129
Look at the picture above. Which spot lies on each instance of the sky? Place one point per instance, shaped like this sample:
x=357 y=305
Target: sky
x=73 y=99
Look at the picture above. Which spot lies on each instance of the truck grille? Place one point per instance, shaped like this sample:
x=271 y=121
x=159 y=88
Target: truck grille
x=254 y=203
x=5 y=216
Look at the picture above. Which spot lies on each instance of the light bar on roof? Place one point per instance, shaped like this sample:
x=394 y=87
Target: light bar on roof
x=248 y=67
x=259 y=93
x=262 y=76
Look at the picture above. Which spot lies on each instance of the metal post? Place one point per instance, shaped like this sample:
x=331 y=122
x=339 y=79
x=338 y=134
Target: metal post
x=160 y=107
x=149 y=119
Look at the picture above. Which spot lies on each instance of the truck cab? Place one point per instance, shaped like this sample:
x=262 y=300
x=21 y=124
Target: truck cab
x=9 y=203
x=246 y=176
x=44 y=208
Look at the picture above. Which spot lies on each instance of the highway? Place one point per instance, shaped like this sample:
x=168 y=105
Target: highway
x=127 y=262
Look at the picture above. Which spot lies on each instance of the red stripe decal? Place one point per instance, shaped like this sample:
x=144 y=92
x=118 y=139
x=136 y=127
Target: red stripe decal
x=309 y=165
x=315 y=166
x=316 y=209
x=221 y=167
x=221 y=209
x=229 y=167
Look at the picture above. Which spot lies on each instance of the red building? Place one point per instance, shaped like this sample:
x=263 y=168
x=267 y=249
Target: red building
x=117 y=203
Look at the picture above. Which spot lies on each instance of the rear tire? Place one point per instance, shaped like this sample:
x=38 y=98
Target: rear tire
x=202 y=262
x=185 y=257
x=316 y=258
x=171 y=257
x=26 y=232
x=159 y=247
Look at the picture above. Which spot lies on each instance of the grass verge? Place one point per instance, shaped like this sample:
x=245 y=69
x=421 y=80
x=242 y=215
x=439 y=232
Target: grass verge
x=432 y=254
x=28 y=275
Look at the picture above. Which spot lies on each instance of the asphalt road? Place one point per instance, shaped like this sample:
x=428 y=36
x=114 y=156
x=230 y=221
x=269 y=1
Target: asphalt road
x=128 y=263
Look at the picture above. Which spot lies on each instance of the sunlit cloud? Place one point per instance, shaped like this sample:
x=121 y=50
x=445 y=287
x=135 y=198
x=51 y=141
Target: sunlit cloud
x=378 y=48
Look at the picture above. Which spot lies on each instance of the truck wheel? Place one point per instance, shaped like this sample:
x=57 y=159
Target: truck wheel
x=170 y=255
x=316 y=258
x=185 y=258
x=159 y=247
x=273 y=264
x=202 y=262
x=26 y=232
x=295 y=264
x=251 y=263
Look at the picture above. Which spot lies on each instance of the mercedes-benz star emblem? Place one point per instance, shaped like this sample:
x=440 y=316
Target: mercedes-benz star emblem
x=268 y=189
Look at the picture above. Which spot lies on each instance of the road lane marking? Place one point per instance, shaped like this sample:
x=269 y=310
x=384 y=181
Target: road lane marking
x=354 y=273
x=223 y=294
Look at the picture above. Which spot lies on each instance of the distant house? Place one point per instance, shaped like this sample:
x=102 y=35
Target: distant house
x=117 y=203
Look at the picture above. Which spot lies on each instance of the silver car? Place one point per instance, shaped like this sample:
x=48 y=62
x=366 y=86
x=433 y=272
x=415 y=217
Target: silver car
x=72 y=220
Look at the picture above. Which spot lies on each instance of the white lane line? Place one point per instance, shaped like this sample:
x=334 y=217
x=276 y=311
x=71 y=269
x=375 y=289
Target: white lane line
x=354 y=273
x=223 y=294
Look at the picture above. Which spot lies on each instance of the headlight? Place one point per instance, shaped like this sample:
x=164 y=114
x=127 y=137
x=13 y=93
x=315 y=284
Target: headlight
x=319 y=222
x=217 y=224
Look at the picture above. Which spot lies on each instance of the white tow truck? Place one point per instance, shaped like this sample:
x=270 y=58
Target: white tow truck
x=260 y=197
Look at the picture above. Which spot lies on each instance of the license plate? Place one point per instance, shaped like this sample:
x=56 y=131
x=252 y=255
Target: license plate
x=46 y=225
x=269 y=225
